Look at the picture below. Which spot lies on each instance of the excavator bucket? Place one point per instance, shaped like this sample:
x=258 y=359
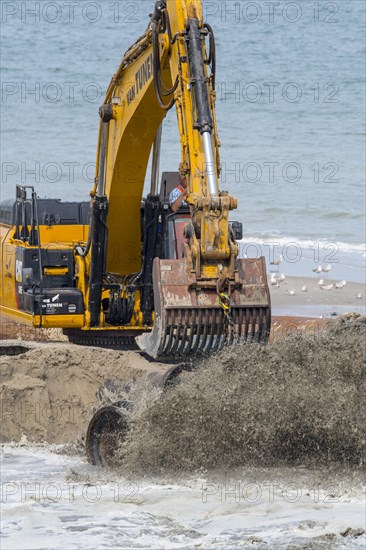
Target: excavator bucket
x=189 y=319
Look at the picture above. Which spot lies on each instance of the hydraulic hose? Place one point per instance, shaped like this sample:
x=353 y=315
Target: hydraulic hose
x=155 y=28
x=83 y=252
x=212 y=53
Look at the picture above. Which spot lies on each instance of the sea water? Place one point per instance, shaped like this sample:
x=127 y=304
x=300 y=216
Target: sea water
x=290 y=109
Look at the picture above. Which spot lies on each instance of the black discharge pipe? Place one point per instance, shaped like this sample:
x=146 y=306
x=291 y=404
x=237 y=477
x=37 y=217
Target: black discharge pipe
x=98 y=257
x=204 y=122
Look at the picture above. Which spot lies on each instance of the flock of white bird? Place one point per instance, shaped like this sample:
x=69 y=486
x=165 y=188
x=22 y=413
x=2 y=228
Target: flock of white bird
x=277 y=278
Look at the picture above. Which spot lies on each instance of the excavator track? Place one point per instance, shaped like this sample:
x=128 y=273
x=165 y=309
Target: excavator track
x=111 y=339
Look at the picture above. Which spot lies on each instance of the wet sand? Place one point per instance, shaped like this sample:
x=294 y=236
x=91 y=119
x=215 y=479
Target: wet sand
x=288 y=299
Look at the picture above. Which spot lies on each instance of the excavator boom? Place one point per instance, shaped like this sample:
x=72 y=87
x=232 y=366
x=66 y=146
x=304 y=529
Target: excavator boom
x=207 y=297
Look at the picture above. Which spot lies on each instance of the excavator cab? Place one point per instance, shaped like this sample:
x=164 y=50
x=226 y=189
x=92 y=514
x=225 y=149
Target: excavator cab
x=175 y=221
x=175 y=238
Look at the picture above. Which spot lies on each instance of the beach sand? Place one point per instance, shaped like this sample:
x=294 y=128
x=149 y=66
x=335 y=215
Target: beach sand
x=316 y=302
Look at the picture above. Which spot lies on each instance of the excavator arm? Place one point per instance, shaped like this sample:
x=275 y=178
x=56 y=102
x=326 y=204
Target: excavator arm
x=209 y=296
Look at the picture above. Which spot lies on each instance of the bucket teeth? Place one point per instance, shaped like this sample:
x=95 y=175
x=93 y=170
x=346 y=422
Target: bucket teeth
x=198 y=332
x=189 y=340
x=167 y=342
x=212 y=330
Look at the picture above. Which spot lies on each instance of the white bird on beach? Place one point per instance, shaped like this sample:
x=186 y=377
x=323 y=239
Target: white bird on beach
x=318 y=269
x=343 y=282
x=304 y=288
x=359 y=296
x=326 y=268
x=327 y=287
x=321 y=282
x=290 y=292
x=282 y=277
x=274 y=280
x=340 y=284
x=277 y=261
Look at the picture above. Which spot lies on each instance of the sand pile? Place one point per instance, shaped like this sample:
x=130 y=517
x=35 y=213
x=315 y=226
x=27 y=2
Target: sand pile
x=50 y=392
x=299 y=400
x=11 y=330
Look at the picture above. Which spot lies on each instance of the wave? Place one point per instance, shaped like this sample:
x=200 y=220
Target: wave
x=273 y=239
x=343 y=214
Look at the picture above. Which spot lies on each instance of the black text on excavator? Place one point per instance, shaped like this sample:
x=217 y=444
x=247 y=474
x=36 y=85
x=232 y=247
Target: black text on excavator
x=127 y=269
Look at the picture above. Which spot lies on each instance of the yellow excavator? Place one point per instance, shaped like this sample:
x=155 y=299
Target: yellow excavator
x=121 y=269
x=124 y=269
